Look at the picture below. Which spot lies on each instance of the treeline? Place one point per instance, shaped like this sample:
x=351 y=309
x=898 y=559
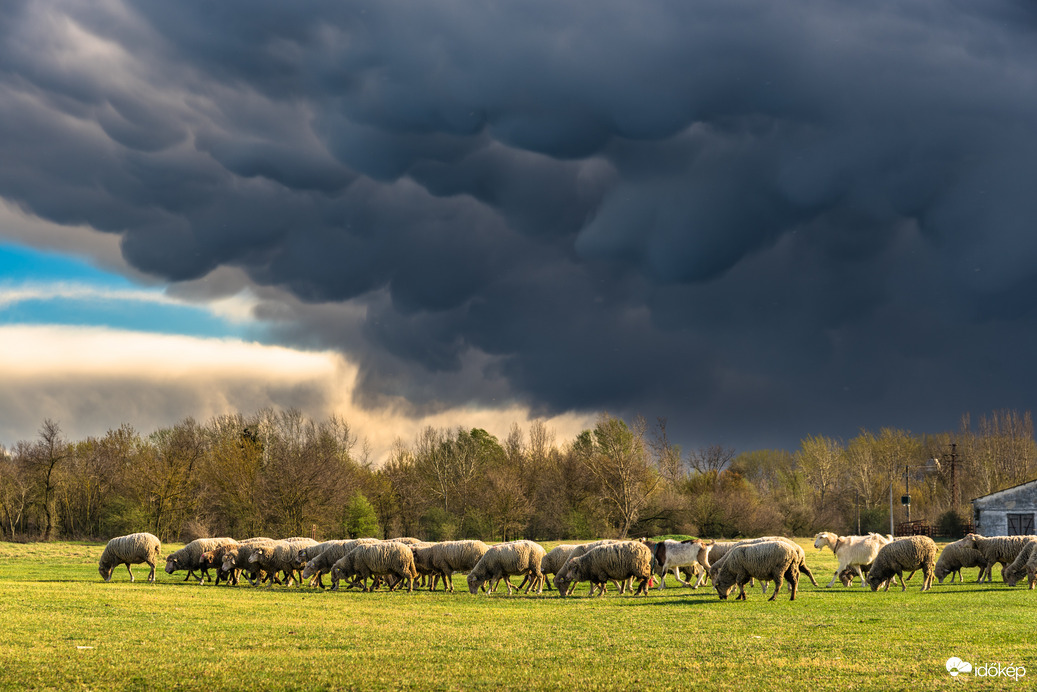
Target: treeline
x=281 y=474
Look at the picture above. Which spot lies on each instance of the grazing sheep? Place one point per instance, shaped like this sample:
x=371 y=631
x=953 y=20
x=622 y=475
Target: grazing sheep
x=236 y=559
x=453 y=556
x=670 y=554
x=406 y=540
x=322 y=562
x=1031 y=570
x=715 y=556
x=214 y=559
x=852 y=551
x=386 y=558
x=997 y=549
x=553 y=561
x=130 y=550
x=390 y=558
x=583 y=549
x=189 y=557
x=617 y=561
x=277 y=556
x=1017 y=570
x=911 y=553
x=766 y=560
x=955 y=557
x=506 y=559
x=309 y=553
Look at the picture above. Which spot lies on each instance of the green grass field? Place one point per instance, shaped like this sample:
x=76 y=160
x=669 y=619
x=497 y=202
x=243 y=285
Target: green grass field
x=63 y=628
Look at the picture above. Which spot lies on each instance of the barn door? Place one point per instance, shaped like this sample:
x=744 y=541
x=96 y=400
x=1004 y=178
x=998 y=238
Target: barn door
x=1020 y=525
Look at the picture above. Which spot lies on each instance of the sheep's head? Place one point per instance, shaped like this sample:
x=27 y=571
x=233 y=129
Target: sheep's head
x=724 y=583
x=822 y=539
x=941 y=573
x=474 y=583
x=256 y=555
x=846 y=576
x=874 y=580
x=106 y=572
x=172 y=564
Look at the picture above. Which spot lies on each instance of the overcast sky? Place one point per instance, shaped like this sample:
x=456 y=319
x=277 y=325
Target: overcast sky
x=760 y=220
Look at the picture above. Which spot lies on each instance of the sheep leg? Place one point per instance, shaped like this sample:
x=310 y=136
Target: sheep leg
x=793 y=578
x=151 y=576
x=803 y=569
x=778 y=581
x=677 y=576
x=903 y=582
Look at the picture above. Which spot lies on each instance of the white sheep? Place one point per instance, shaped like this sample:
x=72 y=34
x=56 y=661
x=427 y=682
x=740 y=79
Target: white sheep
x=448 y=557
x=276 y=556
x=133 y=549
x=905 y=554
x=507 y=559
x=615 y=561
x=716 y=555
x=322 y=562
x=385 y=558
x=956 y=556
x=583 y=549
x=997 y=549
x=189 y=557
x=1031 y=570
x=236 y=555
x=852 y=551
x=670 y=554
x=766 y=560
x=553 y=561
x=1017 y=570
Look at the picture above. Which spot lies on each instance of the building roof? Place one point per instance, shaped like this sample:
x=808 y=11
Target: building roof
x=1003 y=490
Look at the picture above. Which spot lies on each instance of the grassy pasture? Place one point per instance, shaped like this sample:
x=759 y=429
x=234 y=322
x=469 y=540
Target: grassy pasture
x=62 y=628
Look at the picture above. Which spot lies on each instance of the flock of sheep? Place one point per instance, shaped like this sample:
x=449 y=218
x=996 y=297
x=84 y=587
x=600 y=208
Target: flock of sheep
x=877 y=560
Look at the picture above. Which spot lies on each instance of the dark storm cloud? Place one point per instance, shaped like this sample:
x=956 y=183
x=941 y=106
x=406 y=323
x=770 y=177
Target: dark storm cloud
x=761 y=220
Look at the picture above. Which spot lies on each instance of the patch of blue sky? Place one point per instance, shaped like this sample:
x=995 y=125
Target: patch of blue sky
x=40 y=288
x=19 y=264
x=124 y=313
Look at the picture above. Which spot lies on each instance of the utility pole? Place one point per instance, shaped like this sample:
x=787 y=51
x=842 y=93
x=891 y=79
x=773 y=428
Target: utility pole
x=955 y=499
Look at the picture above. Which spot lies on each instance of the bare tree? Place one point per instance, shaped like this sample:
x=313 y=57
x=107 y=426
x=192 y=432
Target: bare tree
x=43 y=458
x=618 y=458
x=15 y=492
x=820 y=458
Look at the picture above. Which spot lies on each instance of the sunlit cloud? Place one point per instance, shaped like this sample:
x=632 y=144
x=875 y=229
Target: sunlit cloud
x=236 y=309
x=91 y=379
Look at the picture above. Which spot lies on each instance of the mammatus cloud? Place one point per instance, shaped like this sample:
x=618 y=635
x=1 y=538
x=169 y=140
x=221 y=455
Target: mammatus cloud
x=759 y=220
x=91 y=379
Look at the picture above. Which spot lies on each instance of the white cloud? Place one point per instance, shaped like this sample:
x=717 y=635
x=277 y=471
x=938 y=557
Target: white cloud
x=92 y=379
x=236 y=308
